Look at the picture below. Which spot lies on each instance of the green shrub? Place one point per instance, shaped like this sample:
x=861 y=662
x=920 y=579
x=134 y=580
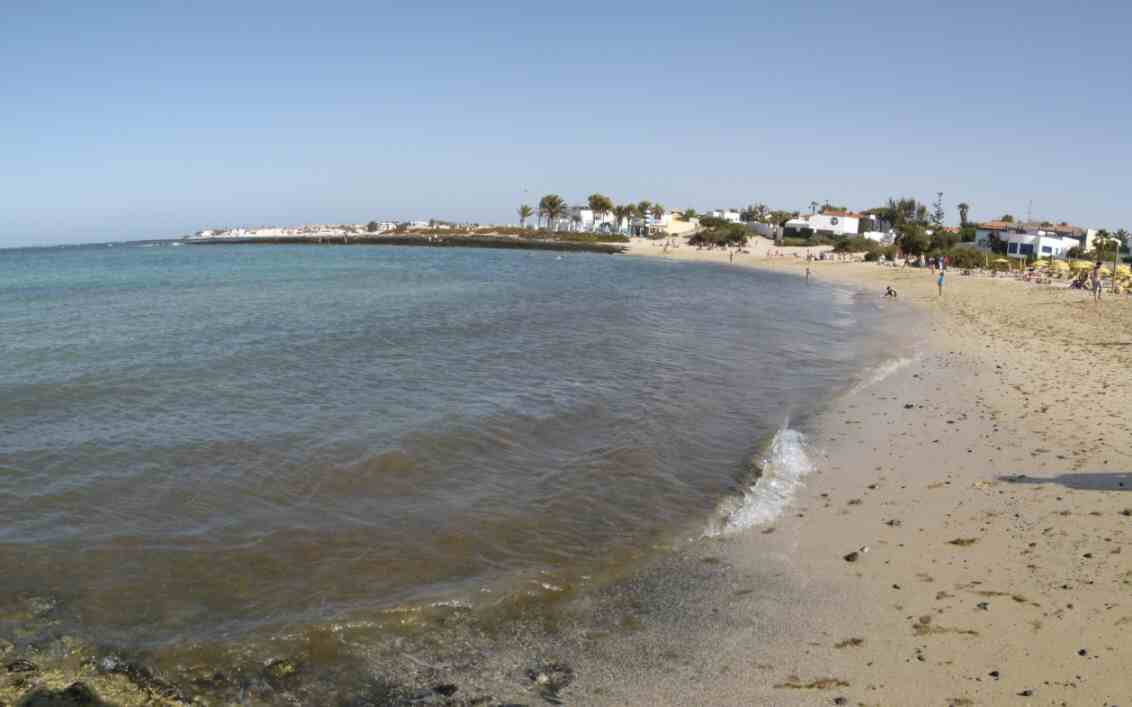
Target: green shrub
x=723 y=234
x=855 y=244
x=966 y=258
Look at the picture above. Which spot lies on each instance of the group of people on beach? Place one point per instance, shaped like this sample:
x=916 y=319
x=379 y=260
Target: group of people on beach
x=1093 y=280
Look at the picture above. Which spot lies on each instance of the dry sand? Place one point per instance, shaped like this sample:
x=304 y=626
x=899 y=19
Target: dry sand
x=991 y=481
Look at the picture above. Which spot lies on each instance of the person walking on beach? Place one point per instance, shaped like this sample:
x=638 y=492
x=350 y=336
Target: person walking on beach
x=1095 y=278
x=940 y=283
x=807 y=274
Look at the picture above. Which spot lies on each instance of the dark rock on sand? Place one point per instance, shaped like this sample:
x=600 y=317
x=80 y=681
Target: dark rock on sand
x=141 y=676
x=963 y=542
x=856 y=554
x=21 y=665
x=279 y=670
x=550 y=679
x=76 y=695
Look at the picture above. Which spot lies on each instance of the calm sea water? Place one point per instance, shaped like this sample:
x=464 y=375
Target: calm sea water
x=201 y=442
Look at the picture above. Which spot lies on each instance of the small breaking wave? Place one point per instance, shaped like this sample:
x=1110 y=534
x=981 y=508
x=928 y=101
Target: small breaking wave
x=779 y=479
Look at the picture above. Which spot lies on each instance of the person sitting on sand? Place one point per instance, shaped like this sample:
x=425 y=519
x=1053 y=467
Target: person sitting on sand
x=889 y=292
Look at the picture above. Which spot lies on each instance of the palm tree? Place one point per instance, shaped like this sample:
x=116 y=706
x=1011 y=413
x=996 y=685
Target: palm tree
x=524 y=214
x=622 y=212
x=1121 y=237
x=657 y=212
x=964 y=208
x=643 y=208
x=600 y=205
x=551 y=206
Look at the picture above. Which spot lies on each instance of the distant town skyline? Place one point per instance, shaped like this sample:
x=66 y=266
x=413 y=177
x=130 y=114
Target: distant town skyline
x=130 y=120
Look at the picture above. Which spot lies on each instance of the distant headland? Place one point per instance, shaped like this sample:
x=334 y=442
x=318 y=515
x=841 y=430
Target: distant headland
x=433 y=234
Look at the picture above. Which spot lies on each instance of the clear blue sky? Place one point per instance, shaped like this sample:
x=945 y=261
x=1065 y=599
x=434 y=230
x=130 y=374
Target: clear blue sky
x=157 y=118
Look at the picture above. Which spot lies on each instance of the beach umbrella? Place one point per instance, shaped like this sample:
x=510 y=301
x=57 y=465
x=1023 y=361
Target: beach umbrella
x=1123 y=270
x=1080 y=265
x=1059 y=265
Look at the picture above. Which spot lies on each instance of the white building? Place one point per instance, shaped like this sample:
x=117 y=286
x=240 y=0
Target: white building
x=1007 y=230
x=652 y=224
x=582 y=218
x=882 y=237
x=836 y=223
x=1024 y=245
x=729 y=215
x=765 y=230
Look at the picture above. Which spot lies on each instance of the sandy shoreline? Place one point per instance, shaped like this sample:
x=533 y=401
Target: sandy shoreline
x=989 y=480
x=988 y=476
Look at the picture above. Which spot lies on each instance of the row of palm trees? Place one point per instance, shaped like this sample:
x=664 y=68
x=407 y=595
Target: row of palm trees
x=552 y=207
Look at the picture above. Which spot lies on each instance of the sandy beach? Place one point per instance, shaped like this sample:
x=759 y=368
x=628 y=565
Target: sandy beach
x=959 y=540
x=984 y=487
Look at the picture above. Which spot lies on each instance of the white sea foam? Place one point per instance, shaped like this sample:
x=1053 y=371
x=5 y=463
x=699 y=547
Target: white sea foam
x=879 y=373
x=783 y=470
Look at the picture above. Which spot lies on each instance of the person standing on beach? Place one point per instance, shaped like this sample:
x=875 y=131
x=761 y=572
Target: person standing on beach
x=1096 y=281
x=807 y=274
x=940 y=283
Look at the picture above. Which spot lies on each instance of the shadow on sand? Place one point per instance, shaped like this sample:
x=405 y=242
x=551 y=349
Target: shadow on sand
x=1097 y=481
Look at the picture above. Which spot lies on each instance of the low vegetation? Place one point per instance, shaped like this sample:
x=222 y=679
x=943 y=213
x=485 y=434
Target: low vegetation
x=716 y=232
x=575 y=236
